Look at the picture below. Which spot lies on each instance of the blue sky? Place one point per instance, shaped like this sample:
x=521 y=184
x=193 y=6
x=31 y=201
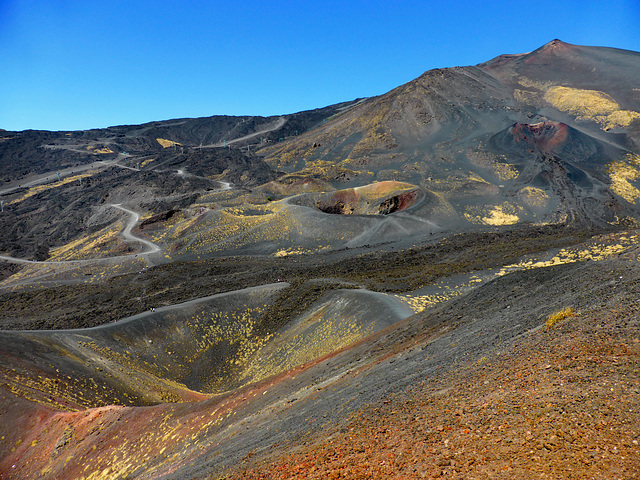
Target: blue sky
x=78 y=64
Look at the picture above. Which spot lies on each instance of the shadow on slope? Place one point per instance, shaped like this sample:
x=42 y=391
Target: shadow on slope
x=186 y=351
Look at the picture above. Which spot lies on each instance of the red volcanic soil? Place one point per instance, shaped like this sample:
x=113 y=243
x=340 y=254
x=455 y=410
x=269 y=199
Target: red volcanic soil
x=561 y=405
x=555 y=48
x=546 y=136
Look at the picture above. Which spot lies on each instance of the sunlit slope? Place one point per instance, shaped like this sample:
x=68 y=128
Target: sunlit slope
x=310 y=222
x=314 y=400
x=399 y=135
x=183 y=352
x=547 y=172
x=544 y=137
x=338 y=319
x=596 y=87
x=156 y=356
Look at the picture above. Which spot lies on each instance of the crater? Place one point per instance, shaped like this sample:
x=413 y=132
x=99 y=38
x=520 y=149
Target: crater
x=546 y=136
x=381 y=198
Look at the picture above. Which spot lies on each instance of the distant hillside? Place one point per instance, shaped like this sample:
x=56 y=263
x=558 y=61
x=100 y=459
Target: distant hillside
x=547 y=136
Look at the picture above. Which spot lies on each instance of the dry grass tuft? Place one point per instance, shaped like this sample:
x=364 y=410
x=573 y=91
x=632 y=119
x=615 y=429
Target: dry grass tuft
x=558 y=316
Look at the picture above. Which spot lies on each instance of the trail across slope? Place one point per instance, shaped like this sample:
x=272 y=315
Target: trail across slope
x=126 y=233
x=279 y=124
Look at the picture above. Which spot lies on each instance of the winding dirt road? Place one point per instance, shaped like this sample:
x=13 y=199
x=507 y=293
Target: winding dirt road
x=126 y=233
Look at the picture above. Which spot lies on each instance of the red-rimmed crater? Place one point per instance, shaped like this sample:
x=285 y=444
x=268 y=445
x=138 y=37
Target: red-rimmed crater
x=546 y=136
x=382 y=198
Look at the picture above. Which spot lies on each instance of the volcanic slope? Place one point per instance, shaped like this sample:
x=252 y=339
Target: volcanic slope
x=329 y=409
x=53 y=180
x=501 y=141
x=516 y=140
x=309 y=282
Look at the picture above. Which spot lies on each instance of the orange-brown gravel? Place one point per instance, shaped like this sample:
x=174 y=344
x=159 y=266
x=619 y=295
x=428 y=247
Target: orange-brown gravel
x=564 y=403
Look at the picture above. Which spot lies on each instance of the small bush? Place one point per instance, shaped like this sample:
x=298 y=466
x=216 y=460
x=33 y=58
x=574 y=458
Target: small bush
x=558 y=316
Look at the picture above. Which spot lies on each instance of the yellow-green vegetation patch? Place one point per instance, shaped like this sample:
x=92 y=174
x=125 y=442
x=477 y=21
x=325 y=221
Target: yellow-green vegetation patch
x=149 y=378
x=504 y=214
x=534 y=197
x=285 y=252
x=329 y=172
x=621 y=118
x=558 y=316
x=622 y=174
x=291 y=155
x=373 y=141
x=526 y=97
x=100 y=242
x=147 y=162
x=600 y=249
x=235 y=329
x=239 y=226
x=102 y=150
x=166 y=143
x=590 y=105
x=582 y=103
x=444 y=292
x=505 y=171
x=41 y=188
x=529 y=83
x=495 y=163
x=320 y=332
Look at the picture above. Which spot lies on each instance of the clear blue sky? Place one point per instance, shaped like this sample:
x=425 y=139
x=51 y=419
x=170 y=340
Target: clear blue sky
x=79 y=64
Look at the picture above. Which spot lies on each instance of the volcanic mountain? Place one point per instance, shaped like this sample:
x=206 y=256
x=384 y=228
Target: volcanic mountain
x=319 y=294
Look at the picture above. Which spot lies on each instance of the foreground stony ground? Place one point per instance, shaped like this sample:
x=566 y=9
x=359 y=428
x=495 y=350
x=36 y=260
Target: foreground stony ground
x=563 y=403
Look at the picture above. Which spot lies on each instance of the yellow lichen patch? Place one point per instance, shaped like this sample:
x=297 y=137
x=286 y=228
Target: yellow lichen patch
x=590 y=105
x=285 y=252
x=41 y=188
x=150 y=379
x=525 y=97
x=622 y=174
x=235 y=329
x=620 y=118
x=505 y=171
x=373 y=141
x=600 y=249
x=322 y=332
x=501 y=215
x=166 y=143
x=103 y=150
x=328 y=171
x=444 y=292
x=101 y=242
x=534 y=197
x=504 y=214
x=294 y=153
x=495 y=163
x=582 y=103
x=418 y=303
x=146 y=162
x=95 y=150
x=529 y=83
